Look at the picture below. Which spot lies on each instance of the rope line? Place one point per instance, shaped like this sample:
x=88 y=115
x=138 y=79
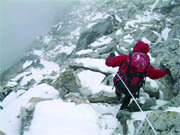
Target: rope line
x=138 y=105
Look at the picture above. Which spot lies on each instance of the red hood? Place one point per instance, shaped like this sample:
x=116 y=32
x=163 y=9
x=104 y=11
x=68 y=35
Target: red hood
x=141 y=47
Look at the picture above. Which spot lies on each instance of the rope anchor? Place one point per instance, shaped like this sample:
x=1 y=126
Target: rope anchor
x=154 y=131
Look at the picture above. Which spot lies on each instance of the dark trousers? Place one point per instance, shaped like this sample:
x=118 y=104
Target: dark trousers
x=126 y=102
x=121 y=89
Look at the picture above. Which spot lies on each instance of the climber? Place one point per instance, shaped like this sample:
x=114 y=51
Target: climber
x=133 y=69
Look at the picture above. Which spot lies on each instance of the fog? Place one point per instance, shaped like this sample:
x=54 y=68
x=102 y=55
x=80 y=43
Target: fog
x=23 y=20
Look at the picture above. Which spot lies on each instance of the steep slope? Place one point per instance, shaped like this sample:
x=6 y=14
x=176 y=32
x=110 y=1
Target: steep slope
x=62 y=86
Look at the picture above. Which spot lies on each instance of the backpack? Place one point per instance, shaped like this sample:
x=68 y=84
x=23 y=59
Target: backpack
x=135 y=74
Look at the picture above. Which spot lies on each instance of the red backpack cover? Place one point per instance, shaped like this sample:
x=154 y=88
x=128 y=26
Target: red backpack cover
x=139 y=61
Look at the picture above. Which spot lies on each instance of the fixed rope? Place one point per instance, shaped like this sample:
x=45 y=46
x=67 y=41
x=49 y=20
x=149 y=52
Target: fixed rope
x=154 y=131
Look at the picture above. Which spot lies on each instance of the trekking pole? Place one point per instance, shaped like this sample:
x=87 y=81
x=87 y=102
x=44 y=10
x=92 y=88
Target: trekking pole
x=138 y=105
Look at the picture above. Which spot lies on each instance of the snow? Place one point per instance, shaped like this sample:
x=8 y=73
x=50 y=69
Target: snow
x=96 y=63
x=76 y=32
x=90 y=25
x=153 y=83
x=118 y=18
x=146 y=17
x=92 y=81
x=37 y=52
x=101 y=41
x=63 y=118
x=159 y=103
x=119 y=32
x=38 y=74
x=146 y=40
x=151 y=58
x=11 y=83
x=84 y=51
x=10 y=122
x=47 y=39
x=173 y=109
x=154 y=5
x=12 y=97
x=98 y=15
x=129 y=39
x=59 y=26
x=137 y=116
x=27 y=63
x=65 y=49
x=165 y=33
x=109 y=124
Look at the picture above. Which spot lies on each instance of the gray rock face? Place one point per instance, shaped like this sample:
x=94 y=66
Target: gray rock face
x=174 y=102
x=171 y=60
x=165 y=123
x=102 y=28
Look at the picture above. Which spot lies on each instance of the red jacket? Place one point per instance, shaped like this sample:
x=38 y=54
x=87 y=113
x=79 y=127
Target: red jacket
x=114 y=61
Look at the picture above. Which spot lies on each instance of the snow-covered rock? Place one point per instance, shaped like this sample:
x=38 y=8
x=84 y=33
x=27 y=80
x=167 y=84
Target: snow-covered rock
x=10 y=115
x=57 y=117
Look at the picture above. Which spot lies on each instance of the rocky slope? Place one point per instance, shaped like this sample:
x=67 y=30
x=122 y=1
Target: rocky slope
x=63 y=83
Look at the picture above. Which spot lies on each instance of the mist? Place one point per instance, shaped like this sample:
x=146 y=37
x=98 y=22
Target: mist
x=21 y=21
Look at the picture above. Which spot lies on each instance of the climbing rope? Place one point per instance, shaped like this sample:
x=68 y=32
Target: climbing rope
x=138 y=105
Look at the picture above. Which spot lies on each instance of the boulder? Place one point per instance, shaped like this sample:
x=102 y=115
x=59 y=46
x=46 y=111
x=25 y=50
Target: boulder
x=123 y=117
x=76 y=98
x=150 y=35
x=164 y=123
x=167 y=53
x=27 y=112
x=174 y=102
x=67 y=82
x=87 y=37
x=103 y=97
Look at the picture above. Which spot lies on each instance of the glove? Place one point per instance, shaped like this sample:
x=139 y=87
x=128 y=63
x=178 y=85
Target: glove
x=168 y=72
x=163 y=67
x=111 y=56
